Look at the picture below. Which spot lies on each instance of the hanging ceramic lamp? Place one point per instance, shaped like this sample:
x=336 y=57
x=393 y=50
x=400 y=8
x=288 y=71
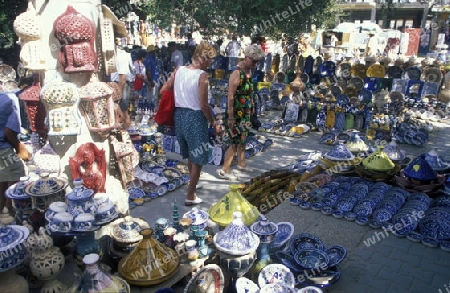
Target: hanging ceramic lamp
x=150 y=263
x=222 y=212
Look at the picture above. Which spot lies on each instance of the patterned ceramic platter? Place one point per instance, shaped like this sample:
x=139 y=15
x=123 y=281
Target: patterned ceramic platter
x=208 y=279
x=413 y=73
x=136 y=192
x=198 y=216
x=284 y=233
x=244 y=285
x=305 y=240
x=276 y=274
x=323 y=279
x=44 y=187
x=336 y=255
x=311 y=258
x=277 y=288
x=431 y=74
x=288 y=260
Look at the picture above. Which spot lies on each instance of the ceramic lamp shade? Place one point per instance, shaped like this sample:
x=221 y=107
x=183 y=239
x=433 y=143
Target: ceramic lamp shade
x=76 y=33
x=34 y=108
x=97 y=106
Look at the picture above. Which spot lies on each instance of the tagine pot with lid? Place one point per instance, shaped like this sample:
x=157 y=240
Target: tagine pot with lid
x=222 y=211
x=378 y=162
x=236 y=238
x=150 y=263
x=420 y=170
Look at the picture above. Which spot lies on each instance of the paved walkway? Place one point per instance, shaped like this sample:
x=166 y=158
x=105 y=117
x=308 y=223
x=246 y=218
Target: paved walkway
x=390 y=265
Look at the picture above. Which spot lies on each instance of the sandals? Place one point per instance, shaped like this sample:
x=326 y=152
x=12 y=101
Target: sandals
x=224 y=175
x=190 y=202
x=245 y=169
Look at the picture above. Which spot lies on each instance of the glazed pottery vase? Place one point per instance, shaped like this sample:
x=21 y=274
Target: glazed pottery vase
x=47 y=262
x=222 y=212
x=203 y=249
x=94 y=279
x=150 y=263
x=266 y=231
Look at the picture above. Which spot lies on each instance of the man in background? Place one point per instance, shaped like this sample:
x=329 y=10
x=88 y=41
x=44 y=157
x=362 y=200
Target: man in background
x=123 y=76
x=176 y=57
x=151 y=69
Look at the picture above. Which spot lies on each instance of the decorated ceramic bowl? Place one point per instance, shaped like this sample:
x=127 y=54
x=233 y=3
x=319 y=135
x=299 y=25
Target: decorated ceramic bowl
x=305 y=241
x=311 y=258
x=12 y=246
x=244 y=285
x=284 y=233
x=276 y=274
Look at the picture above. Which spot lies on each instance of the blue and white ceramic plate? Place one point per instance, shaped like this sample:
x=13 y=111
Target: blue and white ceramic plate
x=430 y=242
x=284 y=233
x=276 y=274
x=350 y=216
x=322 y=279
x=303 y=241
x=362 y=220
x=305 y=205
x=244 y=285
x=135 y=192
x=336 y=255
x=311 y=258
x=444 y=245
x=381 y=215
x=288 y=260
x=277 y=288
x=338 y=214
x=414 y=236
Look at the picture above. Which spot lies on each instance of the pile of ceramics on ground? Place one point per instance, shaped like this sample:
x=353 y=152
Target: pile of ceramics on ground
x=155 y=177
x=380 y=205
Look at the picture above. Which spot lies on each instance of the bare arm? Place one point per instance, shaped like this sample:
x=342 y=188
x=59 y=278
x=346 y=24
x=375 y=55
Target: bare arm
x=203 y=93
x=233 y=84
x=11 y=137
x=168 y=85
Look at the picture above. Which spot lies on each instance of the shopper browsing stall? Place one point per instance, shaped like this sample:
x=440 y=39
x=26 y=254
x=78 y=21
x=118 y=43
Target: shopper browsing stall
x=193 y=113
x=240 y=107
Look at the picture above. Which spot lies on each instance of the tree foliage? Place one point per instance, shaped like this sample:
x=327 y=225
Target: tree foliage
x=9 y=50
x=249 y=17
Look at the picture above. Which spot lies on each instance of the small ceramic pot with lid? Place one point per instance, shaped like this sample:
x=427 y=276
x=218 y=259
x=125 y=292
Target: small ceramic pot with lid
x=84 y=222
x=61 y=222
x=54 y=208
x=80 y=200
x=126 y=233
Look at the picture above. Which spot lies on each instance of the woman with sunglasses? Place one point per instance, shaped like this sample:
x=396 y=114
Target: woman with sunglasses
x=240 y=107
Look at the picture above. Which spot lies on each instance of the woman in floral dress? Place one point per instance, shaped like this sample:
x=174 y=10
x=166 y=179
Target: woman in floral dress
x=240 y=107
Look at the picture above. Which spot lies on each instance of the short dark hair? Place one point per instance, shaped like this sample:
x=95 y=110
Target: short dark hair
x=171 y=44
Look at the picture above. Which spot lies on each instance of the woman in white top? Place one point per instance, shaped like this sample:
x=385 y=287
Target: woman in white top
x=193 y=113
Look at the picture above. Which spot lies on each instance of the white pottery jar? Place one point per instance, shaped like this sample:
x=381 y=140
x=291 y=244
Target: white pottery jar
x=46 y=261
